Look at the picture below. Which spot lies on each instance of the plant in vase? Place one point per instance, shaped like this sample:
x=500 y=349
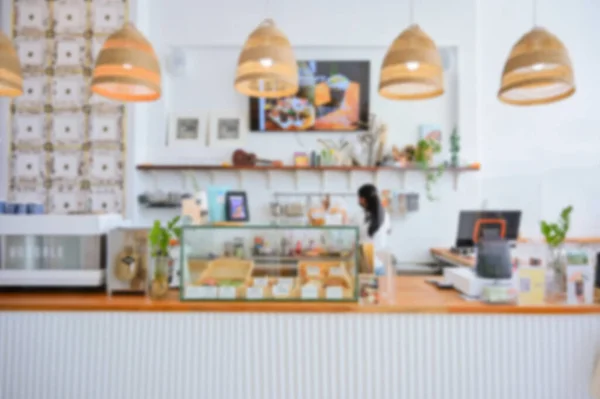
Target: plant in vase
x=160 y=238
x=423 y=155
x=555 y=234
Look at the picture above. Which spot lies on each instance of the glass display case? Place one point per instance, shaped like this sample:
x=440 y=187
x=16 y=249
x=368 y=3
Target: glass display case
x=269 y=263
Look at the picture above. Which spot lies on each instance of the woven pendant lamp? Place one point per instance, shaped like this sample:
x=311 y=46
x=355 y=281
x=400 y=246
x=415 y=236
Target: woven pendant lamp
x=267 y=66
x=11 y=78
x=412 y=68
x=538 y=71
x=127 y=68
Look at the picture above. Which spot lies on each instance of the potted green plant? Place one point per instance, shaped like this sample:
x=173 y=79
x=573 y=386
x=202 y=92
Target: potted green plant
x=555 y=234
x=160 y=238
x=423 y=156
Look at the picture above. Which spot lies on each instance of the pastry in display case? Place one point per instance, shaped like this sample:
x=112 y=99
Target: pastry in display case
x=270 y=263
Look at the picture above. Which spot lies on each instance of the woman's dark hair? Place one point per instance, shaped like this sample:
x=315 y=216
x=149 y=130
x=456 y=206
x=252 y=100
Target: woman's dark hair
x=375 y=215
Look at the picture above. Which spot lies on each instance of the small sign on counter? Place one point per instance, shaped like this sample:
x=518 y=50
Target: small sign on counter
x=281 y=290
x=254 y=293
x=201 y=292
x=334 y=293
x=227 y=292
x=310 y=291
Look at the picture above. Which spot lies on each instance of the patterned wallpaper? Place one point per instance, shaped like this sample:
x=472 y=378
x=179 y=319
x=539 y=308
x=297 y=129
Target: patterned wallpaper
x=67 y=145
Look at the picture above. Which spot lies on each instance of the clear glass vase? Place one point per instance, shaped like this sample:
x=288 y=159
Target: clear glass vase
x=557 y=272
x=158 y=277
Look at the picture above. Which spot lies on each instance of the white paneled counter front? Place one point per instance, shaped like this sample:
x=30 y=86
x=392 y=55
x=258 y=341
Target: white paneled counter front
x=148 y=355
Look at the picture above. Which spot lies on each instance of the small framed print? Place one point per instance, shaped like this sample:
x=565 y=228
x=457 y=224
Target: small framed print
x=186 y=130
x=236 y=206
x=227 y=129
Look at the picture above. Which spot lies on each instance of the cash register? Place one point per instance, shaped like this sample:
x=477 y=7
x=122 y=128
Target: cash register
x=488 y=235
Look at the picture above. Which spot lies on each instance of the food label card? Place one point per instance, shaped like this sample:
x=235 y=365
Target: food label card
x=309 y=291
x=227 y=292
x=201 y=292
x=254 y=293
x=334 y=293
x=281 y=290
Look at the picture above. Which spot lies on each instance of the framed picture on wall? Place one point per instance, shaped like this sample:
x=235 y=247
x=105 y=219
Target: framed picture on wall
x=236 y=206
x=333 y=96
x=227 y=129
x=186 y=130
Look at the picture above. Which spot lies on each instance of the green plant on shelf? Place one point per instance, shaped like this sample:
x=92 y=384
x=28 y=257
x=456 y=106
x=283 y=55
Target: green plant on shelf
x=424 y=152
x=454 y=148
x=555 y=233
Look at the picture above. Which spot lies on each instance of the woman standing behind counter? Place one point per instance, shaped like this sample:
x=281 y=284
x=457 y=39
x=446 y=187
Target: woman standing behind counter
x=375 y=227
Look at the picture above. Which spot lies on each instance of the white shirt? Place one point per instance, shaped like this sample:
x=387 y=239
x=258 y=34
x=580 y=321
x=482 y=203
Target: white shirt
x=379 y=239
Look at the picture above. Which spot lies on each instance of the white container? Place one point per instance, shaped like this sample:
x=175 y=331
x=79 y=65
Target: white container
x=50 y=225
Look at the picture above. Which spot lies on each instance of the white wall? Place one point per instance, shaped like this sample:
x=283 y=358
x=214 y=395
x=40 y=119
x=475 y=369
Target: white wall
x=211 y=35
x=542 y=158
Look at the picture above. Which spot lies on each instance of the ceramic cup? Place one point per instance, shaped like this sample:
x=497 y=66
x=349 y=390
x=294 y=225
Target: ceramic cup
x=10 y=208
x=20 y=209
x=35 y=209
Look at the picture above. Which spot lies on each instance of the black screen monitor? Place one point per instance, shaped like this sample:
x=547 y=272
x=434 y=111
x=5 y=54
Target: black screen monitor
x=468 y=222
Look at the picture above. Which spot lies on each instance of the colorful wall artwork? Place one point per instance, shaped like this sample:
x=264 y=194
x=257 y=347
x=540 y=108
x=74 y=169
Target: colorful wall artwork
x=332 y=96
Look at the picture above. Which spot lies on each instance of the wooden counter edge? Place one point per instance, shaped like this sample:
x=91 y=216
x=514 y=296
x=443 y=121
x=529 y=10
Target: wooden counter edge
x=100 y=304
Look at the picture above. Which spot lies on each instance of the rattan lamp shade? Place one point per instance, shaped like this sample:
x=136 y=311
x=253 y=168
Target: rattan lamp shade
x=127 y=68
x=412 y=68
x=538 y=71
x=267 y=66
x=11 y=78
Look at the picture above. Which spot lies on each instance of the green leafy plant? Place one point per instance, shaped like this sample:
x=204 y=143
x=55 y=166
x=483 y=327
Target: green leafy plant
x=424 y=152
x=160 y=236
x=454 y=147
x=555 y=233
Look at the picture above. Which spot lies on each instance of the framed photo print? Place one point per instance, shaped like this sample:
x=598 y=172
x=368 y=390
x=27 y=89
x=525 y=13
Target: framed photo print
x=236 y=206
x=186 y=130
x=227 y=129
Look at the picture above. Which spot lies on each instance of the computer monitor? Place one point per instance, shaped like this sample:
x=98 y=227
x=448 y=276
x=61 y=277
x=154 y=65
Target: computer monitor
x=487 y=224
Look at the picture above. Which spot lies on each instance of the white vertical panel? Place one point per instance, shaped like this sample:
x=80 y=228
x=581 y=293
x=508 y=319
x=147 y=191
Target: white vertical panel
x=263 y=356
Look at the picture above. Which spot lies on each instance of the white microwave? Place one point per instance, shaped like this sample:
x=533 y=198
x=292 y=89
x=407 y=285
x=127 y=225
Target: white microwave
x=54 y=250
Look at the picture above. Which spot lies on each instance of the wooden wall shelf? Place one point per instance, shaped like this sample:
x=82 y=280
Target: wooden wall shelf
x=455 y=172
x=292 y=168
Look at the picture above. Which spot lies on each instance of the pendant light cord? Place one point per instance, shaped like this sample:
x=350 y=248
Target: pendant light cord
x=411 y=11
x=267 y=8
x=534 y=9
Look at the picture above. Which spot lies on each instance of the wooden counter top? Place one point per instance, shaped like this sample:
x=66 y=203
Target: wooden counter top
x=413 y=295
x=448 y=256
